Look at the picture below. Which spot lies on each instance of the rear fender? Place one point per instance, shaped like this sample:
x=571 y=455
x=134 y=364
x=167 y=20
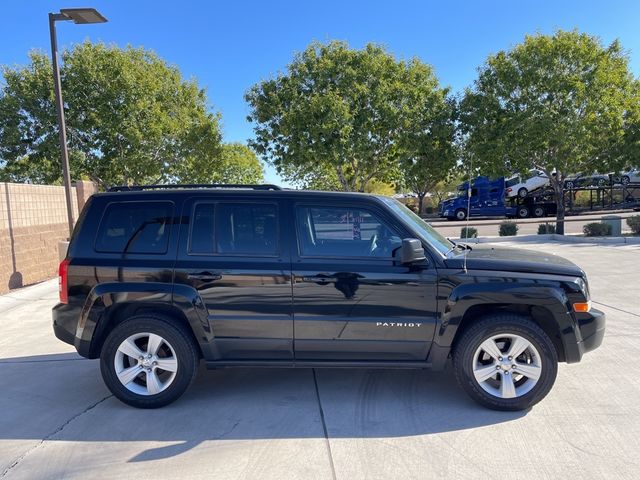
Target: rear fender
x=106 y=297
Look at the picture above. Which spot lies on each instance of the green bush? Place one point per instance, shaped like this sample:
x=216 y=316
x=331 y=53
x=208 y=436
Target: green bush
x=508 y=229
x=634 y=224
x=469 y=232
x=596 y=229
x=546 y=228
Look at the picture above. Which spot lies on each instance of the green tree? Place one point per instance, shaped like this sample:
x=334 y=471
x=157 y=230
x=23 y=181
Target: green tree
x=430 y=148
x=562 y=103
x=131 y=118
x=236 y=163
x=340 y=112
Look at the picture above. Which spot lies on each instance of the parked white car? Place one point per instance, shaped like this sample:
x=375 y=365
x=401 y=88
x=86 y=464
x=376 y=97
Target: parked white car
x=519 y=185
x=631 y=176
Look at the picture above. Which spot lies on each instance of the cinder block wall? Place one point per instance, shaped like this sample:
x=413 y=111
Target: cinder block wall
x=33 y=219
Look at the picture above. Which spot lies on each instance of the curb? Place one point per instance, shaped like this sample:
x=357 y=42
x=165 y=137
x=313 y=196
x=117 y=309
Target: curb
x=556 y=238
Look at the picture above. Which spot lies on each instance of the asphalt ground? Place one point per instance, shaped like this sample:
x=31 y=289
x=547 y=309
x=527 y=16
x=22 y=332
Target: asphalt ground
x=58 y=420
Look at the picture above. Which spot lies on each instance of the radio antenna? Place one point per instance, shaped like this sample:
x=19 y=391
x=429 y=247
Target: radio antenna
x=466 y=228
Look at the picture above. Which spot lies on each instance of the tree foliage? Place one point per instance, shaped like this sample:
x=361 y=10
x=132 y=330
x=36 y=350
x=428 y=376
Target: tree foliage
x=131 y=119
x=563 y=103
x=430 y=151
x=236 y=163
x=341 y=113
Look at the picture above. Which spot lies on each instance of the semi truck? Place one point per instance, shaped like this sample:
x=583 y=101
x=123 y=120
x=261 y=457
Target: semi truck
x=488 y=199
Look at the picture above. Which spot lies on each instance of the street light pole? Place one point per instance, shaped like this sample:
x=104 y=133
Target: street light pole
x=57 y=87
x=82 y=16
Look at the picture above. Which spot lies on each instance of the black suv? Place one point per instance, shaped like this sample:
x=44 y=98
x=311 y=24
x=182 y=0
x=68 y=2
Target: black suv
x=158 y=277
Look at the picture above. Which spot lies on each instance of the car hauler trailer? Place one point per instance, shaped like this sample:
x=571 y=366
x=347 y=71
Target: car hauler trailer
x=487 y=199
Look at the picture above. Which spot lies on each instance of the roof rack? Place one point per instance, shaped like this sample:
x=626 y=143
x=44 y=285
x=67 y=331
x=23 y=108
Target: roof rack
x=138 y=188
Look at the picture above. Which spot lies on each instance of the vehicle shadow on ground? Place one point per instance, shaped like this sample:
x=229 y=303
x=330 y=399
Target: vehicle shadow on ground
x=66 y=400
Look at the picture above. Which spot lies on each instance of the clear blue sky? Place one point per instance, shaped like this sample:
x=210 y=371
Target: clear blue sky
x=230 y=45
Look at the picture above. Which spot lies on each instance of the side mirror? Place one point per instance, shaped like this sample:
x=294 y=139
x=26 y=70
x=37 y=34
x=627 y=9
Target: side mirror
x=411 y=251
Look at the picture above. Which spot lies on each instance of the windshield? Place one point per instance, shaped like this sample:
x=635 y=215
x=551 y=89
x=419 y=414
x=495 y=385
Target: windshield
x=426 y=232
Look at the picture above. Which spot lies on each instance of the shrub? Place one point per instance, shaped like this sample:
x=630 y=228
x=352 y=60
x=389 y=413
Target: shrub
x=546 y=228
x=634 y=224
x=596 y=229
x=508 y=229
x=469 y=232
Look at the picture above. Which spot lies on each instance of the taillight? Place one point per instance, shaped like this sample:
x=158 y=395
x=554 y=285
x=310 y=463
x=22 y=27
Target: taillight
x=63 y=283
x=509 y=190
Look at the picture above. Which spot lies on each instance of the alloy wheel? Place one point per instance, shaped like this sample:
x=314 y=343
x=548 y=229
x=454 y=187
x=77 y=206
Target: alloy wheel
x=507 y=366
x=145 y=363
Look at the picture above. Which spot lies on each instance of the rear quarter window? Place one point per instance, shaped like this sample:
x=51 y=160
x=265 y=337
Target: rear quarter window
x=135 y=227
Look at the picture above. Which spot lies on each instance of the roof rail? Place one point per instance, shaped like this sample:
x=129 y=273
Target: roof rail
x=138 y=188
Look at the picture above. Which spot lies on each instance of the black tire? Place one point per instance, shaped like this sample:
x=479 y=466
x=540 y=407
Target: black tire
x=523 y=212
x=538 y=212
x=487 y=327
x=461 y=214
x=602 y=182
x=570 y=185
x=523 y=192
x=179 y=339
x=625 y=180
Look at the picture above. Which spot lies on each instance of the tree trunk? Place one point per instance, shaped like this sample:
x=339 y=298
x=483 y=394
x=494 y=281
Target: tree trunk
x=420 y=203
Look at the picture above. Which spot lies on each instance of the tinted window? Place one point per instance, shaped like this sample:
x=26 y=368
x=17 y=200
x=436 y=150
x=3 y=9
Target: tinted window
x=246 y=228
x=344 y=232
x=513 y=181
x=202 y=229
x=135 y=227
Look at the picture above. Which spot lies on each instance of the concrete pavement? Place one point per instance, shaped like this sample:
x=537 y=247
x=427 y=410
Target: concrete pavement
x=527 y=226
x=57 y=420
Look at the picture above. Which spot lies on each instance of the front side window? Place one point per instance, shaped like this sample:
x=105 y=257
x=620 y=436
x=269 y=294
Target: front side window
x=135 y=227
x=344 y=232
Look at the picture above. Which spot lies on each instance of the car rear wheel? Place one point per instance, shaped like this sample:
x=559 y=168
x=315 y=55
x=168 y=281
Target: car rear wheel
x=505 y=362
x=570 y=184
x=626 y=180
x=148 y=361
x=523 y=192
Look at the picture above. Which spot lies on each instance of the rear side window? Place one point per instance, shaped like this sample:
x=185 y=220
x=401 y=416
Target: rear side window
x=234 y=228
x=135 y=227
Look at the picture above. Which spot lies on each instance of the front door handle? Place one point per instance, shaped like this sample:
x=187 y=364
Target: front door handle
x=204 y=276
x=320 y=279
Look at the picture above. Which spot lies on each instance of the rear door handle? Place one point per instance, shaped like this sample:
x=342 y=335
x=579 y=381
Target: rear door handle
x=204 y=276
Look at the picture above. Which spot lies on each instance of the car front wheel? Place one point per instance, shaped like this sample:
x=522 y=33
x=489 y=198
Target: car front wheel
x=148 y=361
x=461 y=214
x=505 y=362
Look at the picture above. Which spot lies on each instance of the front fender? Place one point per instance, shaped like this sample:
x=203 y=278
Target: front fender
x=539 y=298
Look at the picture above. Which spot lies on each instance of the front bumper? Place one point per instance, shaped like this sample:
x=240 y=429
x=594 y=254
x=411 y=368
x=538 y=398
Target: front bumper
x=592 y=327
